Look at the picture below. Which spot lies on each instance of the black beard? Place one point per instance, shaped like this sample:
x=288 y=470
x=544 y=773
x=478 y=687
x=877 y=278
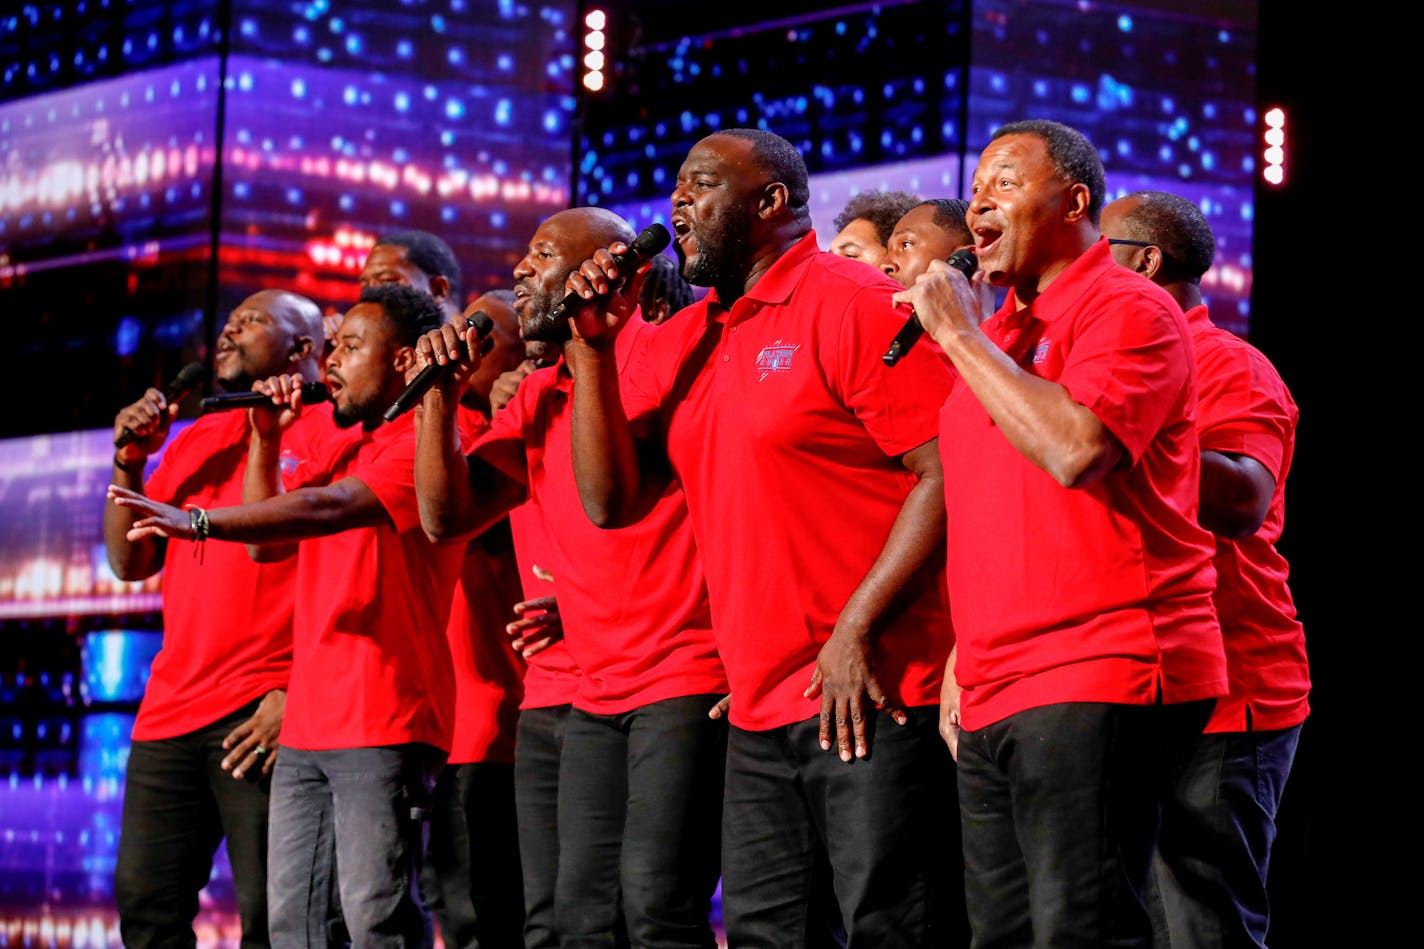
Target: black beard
x=722 y=247
x=535 y=324
x=242 y=383
x=345 y=418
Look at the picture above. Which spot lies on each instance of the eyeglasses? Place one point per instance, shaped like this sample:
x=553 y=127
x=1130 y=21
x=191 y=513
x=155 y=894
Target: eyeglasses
x=1124 y=240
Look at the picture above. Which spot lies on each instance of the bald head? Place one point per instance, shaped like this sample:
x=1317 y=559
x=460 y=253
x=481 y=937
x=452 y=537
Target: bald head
x=563 y=242
x=270 y=332
x=596 y=227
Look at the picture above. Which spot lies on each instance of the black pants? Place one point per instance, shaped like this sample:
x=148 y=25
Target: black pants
x=1214 y=848
x=1059 y=806
x=471 y=875
x=178 y=806
x=640 y=802
x=888 y=824
x=538 y=741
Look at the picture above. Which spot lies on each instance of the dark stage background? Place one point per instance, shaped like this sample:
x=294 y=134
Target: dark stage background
x=160 y=161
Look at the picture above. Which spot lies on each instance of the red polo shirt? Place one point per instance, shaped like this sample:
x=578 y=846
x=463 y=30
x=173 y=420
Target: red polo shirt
x=1095 y=594
x=633 y=599
x=786 y=429
x=227 y=622
x=371 y=665
x=1244 y=408
x=551 y=677
x=489 y=675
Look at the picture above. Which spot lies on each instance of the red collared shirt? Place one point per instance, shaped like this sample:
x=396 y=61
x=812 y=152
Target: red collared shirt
x=371 y=665
x=1244 y=408
x=787 y=429
x=227 y=622
x=633 y=599
x=1094 y=594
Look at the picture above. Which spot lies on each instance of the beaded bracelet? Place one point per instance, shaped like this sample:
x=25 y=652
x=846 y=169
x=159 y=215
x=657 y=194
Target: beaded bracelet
x=198 y=522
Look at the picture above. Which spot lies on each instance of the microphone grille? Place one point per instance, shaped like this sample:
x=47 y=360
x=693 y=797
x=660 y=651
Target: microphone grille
x=482 y=323
x=651 y=241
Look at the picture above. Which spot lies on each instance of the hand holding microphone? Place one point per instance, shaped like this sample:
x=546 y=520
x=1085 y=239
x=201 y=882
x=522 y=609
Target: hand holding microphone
x=425 y=380
x=189 y=378
x=962 y=260
x=608 y=273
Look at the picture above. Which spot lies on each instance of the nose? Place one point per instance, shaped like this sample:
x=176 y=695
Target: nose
x=523 y=268
x=889 y=266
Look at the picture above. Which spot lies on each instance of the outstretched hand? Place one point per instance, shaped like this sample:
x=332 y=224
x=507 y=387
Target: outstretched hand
x=156 y=520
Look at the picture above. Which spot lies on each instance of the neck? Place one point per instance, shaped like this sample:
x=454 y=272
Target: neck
x=763 y=258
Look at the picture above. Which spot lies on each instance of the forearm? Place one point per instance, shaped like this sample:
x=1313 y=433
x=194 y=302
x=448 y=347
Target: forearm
x=918 y=531
x=442 y=473
x=130 y=560
x=263 y=478
x=1038 y=416
x=457 y=494
x=606 y=465
x=299 y=515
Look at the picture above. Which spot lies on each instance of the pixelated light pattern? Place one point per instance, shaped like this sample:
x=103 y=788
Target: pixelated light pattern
x=866 y=92
x=443 y=115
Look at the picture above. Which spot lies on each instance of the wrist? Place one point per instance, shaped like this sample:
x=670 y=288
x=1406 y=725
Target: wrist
x=132 y=466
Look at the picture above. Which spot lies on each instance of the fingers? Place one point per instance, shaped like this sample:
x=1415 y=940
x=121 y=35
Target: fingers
x=542 y=604
x=720 y=709
x=446 y=345
x=849 y=725
x=246 y=751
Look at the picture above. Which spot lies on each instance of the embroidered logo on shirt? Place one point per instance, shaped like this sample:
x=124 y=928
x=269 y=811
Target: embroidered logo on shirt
x=775 y=358
x=1040 y=352
x=288 y=464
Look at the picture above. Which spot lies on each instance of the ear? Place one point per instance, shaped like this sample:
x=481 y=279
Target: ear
x=1151 y=262
x=774 y=199
x=404 y=359
x=301 y=349
x=1076 y=201
x=440 y=287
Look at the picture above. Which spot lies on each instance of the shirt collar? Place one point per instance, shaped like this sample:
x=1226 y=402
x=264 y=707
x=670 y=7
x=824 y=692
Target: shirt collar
x=1197 y=318
x=780 y=279
x=1062 y=295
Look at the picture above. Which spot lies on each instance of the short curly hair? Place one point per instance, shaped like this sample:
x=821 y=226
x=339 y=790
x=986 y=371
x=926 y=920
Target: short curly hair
x=1178 y=227
x=883 y=209
x=413 y=312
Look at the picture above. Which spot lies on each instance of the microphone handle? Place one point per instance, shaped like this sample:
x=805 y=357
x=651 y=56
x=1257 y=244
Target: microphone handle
x=649 y=242
x=962 y=260
x=425 y=380
x=312 y=393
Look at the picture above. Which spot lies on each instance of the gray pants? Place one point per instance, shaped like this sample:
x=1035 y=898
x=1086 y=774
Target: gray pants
x=345 y=835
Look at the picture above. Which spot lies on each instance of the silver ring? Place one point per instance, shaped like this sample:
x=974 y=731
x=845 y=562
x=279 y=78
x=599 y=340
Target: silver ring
x=259 y=751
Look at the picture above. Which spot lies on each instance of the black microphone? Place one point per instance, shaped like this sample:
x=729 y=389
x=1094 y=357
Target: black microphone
x=651 y=241
x=312 y=393
x=425 y=379
x=962 y=260
x=189 y=378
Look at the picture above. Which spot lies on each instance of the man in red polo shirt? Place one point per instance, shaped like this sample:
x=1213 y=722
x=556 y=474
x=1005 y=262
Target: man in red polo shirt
x=1088 y=649
x=641 y=759
x=213 y=705
x=470 y=877
x=1214 y=848
x=815 y=491
x=370 y=701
